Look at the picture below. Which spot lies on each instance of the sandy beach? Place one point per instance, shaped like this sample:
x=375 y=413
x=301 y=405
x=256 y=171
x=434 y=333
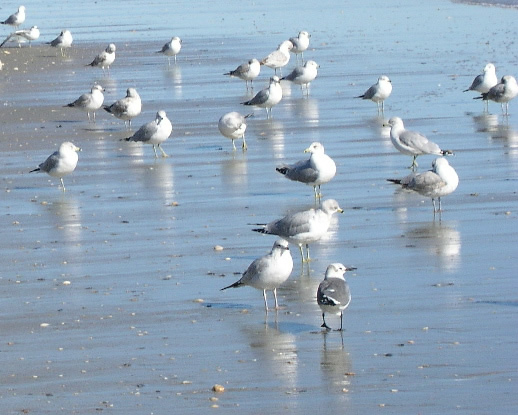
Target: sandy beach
x=110 y=292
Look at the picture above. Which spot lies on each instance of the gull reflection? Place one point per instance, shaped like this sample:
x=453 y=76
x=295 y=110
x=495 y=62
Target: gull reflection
x=440 y=241
x=234 y=173
x=498 y=132
x=335 y=363
x=277 y=351
x=271 y=131
x=174 y=75
x=159 y=177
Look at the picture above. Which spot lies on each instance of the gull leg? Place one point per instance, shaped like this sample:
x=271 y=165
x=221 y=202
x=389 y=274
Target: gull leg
x=341 y=322
x=164 y=154
x=154 y=149
x=62 y=184
x=414 y=164
x=275 y=296
x=324 y=322
x=244 y=143
x=308 y=259
x=265 y=302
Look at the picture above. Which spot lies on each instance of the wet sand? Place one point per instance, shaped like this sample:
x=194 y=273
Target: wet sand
x=110 y=292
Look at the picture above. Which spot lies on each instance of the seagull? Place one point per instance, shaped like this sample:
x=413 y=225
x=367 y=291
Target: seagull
x=268 y=97
x=24 y=34
x=154 y=132
x=233 y=125
x=126 y=108
x=300 y=44
x=485 y=81
x=303 y=228
x=89 y=102
x=171 y=48
x=63 y=41
x=105 y=58
x=315 y=171
x=333 y=294
x=379 y=92
x=436 y=183
x=16 y=19
x=247 y=72
x=268 y=272
x=303 y=75
x=61 y=162
x=502 y=92
x=279 y=57
x=411 y=142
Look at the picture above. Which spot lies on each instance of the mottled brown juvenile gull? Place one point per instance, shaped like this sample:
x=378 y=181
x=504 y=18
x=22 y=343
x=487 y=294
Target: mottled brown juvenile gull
x=279 y=58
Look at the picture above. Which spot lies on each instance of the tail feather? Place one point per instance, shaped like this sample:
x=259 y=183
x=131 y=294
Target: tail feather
x=107 y=109
x=235 y=285
x=447 y=153
x=37 y=169
x=395 y=181
x=261 y=230
x=282 y=169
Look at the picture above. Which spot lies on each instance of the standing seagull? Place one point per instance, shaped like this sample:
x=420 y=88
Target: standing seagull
x=61 y=162
x=104 y=59
x=440 y=181
x=268 y=272
x=485 y=81
x=300 y=44
x=89 y=102
x=171 y=48
x=379 y=92
x=279 y=57
x=304 y=227
x=315 y=171
x=126 y=108
x=303 y=75
x=16 y=19
x=247 y=72
x=63 y=41
x=412 y=143
x=233 y=125
x=268 y=97
x=154 y=132
x=502 y=92
x=333 y=294
x=24 y=34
